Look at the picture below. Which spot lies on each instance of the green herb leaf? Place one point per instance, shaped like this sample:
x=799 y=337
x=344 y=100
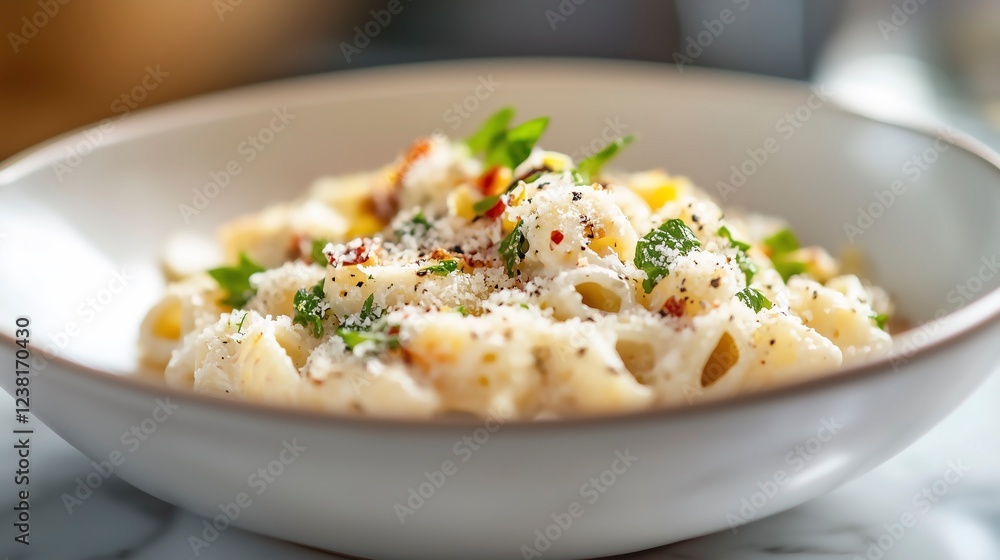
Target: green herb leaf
x=880 y=320
x=443 y=268
x=754 y=299
x=588 y=169
x=515 y=145
x=235 y=280
x=484 y=205
x=513 y=248
x=745 y=263
x=650 y=252
x=311 y=308
x=491 y=131
x=317 y=252
x=461 y=309
x=368 y=326
x=417 y=226
x=782 y=244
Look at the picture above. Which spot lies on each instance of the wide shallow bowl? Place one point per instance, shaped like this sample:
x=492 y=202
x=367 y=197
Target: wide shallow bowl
x=82 y=219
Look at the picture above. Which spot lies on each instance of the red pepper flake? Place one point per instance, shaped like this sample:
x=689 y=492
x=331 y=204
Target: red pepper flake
x=487 y=181
x=496 y=211
x=674 y=307
x=557 y=237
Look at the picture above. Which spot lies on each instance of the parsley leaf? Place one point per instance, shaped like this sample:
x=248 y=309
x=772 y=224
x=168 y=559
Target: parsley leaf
x=515 y=145
x=588 y=169
x=461 y=309
x=317 y=252
x=443 y=268
x=418 y=225
x=235 y=280
x=753 y=299
x=880 y=320
x=311 y=308
x=513 y=248
x=782 y=244
x=650 y=254
x=491 y=131
x=745 y=263
x=484 y=205
x=368 y=326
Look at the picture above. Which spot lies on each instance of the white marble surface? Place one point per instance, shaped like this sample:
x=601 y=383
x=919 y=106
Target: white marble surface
x=119 y=521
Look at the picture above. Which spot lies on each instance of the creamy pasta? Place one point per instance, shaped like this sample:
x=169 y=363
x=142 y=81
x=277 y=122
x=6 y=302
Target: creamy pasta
x=493 y=277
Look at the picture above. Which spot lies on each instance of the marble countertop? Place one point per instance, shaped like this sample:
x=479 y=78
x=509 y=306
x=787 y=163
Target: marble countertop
x=955 y=521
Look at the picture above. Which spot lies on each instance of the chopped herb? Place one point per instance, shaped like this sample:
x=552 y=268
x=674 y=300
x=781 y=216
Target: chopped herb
x=650 y=255
x=880 y=320
x=239 y=328
x=753 y=299
x=462 y=310
x=485 y=205
x=782 y=245
x=311 y=308
x=513 y=248
x=317 y=252
x=418 y=225
x=443 y=268
x=491 y=131
x=235 y=280
x=525 y=305
x=368 y=327
x=588 y=169
x=353 y=338
x=745 y=263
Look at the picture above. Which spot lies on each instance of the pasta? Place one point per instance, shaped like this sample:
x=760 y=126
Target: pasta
x=493 y=277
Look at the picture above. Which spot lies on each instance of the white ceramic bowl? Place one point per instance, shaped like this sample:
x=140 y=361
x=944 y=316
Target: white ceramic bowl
x=70 y=222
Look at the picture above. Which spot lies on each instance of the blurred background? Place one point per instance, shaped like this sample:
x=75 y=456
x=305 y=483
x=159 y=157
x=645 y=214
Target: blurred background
x=68 y=63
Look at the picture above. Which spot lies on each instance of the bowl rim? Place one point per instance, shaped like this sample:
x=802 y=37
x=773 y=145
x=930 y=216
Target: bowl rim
x=956 y=325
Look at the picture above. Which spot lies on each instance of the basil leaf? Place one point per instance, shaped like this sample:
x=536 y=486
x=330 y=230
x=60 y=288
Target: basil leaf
x=443 y=268
x=754 y=299
x=317 y=252
x=588 y=169
x=235 y=280
x=515 y=145
x=513 y=248
x=651 y=252
x=490 y=131
x=311 y=308
x=745 y=263
x=782 y=244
